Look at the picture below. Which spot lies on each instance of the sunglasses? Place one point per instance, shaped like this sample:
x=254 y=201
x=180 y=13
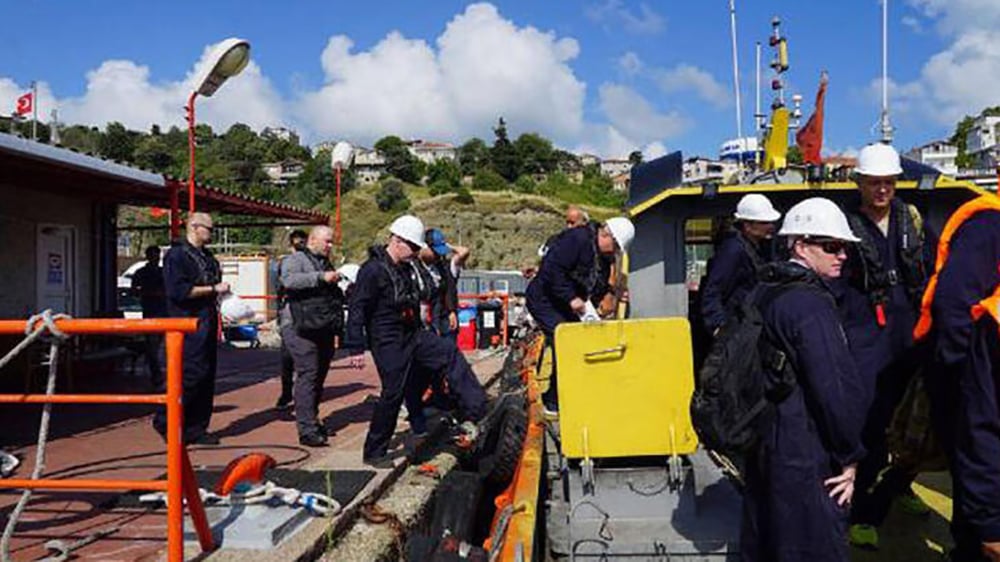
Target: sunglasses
x=413 y=247
x=832 y=247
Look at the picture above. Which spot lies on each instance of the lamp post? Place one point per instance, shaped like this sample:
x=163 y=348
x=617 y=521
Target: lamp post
x=229 y=58
x=341 y=156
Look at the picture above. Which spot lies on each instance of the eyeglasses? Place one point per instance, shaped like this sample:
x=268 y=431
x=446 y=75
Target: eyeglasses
x=205 y=226
x=413 y=247
x=832 y=247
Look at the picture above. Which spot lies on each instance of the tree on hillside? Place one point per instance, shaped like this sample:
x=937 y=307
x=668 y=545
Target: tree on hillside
x=535 y=154
x=398 y=160
x=117 y=143
x=473 y=155
x=566 y=162
x=445 y=172
x=79 y=137
x=391 y=197
x=152 y=152
x=503 y=155
x=243 y=152
x=635 y=157
x=488 y=180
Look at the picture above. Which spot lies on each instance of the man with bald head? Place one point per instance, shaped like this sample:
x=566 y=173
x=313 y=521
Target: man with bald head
x=193 y=281
x=311 y=316
x=575 y=216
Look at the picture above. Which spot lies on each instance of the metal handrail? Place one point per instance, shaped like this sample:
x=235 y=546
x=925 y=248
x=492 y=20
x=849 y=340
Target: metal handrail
x=180 y=483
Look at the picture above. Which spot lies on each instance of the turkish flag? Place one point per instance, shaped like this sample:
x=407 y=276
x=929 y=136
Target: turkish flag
x=25 y=103
x=810 y=137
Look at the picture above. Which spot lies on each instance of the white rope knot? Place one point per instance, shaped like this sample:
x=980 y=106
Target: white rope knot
x=45 y=321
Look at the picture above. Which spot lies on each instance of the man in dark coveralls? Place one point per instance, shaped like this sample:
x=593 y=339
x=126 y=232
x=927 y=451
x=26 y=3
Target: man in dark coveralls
x=193 y=282
x=961 y=318
x=575 y=270
x=384 y=316
x=800 y=479
x=732 y=272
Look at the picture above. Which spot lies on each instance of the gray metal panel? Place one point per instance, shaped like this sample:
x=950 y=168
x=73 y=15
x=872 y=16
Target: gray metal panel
x=37 y=150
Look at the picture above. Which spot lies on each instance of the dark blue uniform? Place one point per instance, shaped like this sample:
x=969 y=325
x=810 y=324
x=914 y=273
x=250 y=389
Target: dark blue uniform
x=185 y=267
x=885 y=359
x=732 y=273
x=572 y=268
x=964 y=382
x=383 y=313
x=815 y=432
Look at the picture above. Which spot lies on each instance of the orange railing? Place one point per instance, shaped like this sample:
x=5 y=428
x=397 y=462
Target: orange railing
x=504 y=298
x=180 y=483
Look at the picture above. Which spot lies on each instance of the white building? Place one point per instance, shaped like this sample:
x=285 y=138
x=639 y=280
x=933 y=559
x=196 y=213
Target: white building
x=621 y=182
x=981 y=142
x=704 y=170
x=282 y=133
x=369 y=165
x=589 y=160
x=937 y=154
x=284 y=172
x=736 y=149
x=430 y=152
x=615 y=167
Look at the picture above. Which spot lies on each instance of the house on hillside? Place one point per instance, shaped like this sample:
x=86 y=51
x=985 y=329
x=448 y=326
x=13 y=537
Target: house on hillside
x=284 y=172
x=615 y=167
x=281 y=133
x=430 y=152
x=937 y=154
x=982 y=143
x=589 y=160
x=698 y=170
x=369 y=165
x=620 y=182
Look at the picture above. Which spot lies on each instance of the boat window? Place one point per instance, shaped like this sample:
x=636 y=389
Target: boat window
x=700 y=236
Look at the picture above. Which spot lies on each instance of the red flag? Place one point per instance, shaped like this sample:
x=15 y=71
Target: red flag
x=157 y=212
x=810 y=137
x=24 y=104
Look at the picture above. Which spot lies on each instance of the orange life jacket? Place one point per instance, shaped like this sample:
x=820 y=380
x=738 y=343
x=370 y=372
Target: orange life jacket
x=988 y=305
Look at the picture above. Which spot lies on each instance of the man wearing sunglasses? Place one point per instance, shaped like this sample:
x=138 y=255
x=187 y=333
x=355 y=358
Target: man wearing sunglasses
x=879 y=299
x=193 y=282
x=800 y=477
x=384 y=316
x=575 y=270
x=732 y=272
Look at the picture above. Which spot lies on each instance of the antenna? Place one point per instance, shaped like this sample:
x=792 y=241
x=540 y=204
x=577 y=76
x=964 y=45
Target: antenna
x=885 y=123
x=736 y=84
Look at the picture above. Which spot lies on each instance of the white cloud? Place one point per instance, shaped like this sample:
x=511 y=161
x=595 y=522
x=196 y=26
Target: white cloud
x=913 y=23
x=958 y=16
x=686 y=77
x=653 y=150
x=121 y=90
x=613 y=13
x=483 y=66
x=630 y=63
x=634 y=122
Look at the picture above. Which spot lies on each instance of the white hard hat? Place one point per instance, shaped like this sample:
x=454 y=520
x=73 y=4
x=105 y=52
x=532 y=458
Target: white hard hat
x=878 y=160
x=817 y=217
x=756 y=207
x=622 y=230
x=409 y=228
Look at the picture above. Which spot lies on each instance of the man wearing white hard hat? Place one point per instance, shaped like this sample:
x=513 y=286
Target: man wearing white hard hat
x=384 y=317
x=732 y=271
x=574 y=273
x=799 y=478
x=879 y=300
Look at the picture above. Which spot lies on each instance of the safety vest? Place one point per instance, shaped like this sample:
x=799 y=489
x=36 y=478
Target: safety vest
x=988 y=305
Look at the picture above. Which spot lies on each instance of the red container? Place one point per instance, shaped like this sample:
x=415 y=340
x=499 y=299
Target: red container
x=467 y=336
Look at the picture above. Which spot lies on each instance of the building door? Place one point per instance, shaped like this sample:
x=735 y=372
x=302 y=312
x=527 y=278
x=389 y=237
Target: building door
x=56 y=268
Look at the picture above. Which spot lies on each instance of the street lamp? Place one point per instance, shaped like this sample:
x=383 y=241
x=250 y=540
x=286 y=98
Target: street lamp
x=229 y=58
x=341 y=156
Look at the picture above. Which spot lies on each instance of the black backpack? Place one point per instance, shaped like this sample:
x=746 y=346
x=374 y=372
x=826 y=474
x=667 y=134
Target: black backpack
x=731 y=398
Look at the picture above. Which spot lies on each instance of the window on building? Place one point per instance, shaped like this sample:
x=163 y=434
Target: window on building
x=700 y=237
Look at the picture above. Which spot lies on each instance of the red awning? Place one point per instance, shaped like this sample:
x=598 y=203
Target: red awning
x=69 y=173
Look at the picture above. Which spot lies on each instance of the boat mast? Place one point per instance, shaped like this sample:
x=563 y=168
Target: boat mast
x=886 y=126
x=736 y=85
x=758 y=117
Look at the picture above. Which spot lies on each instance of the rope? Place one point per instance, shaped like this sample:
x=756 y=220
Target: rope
x=36 y=326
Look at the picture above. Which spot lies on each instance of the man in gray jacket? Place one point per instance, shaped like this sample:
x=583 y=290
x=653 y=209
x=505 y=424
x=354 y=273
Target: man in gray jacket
x=312 y=315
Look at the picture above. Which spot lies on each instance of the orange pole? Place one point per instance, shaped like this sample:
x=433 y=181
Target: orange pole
x=110 y=325
x=175 y=420
x=81 y=399
x=81 y=484
x=195 y=506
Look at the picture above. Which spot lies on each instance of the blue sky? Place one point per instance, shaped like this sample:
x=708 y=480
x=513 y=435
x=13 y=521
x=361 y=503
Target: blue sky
x=604 y=76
